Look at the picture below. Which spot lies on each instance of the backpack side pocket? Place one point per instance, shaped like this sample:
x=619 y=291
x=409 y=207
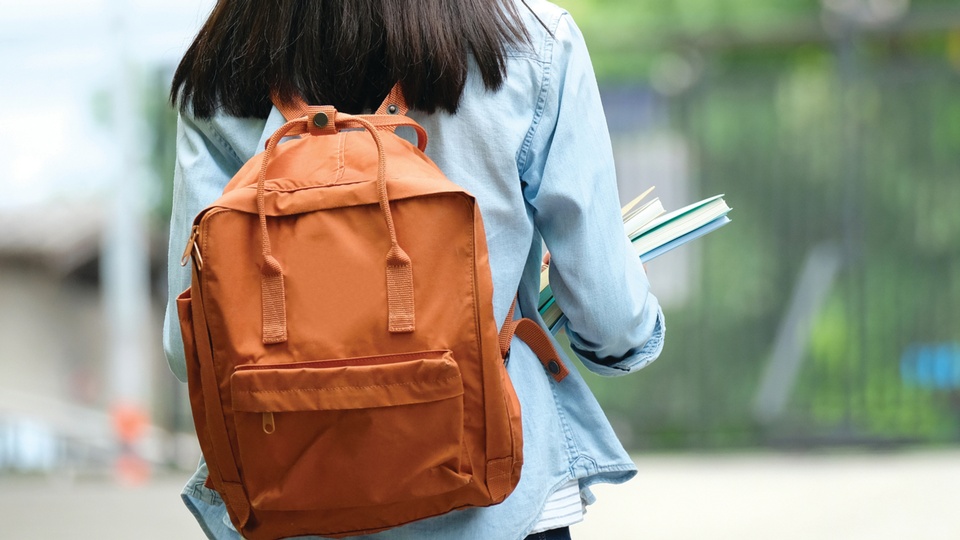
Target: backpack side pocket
x=185 y=313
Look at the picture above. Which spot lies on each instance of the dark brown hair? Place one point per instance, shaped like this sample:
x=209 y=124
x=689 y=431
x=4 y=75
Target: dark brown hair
x=345 y=53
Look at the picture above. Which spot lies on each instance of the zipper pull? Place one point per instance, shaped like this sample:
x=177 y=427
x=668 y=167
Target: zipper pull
x=192 y=249
x=268 y=424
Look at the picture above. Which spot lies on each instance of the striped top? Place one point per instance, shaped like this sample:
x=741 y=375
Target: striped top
x=563 y=508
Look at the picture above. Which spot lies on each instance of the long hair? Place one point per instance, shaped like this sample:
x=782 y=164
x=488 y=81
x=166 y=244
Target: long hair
x=345 y=53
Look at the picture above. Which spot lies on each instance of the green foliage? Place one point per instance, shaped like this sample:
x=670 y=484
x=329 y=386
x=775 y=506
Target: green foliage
x=861 y=153
x=627 y=37
x=161 y=121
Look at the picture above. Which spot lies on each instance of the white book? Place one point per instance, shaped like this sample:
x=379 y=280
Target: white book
x=669 y=227
x=643 y=216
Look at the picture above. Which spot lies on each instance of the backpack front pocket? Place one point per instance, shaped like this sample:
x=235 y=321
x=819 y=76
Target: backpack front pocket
x=349 y=433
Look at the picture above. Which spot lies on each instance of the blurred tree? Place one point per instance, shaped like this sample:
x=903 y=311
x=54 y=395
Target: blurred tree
x=162 y=121
x=818 y=126
x=626 y=36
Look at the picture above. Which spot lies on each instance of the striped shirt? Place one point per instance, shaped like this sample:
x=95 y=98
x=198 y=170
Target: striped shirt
x=563 y=508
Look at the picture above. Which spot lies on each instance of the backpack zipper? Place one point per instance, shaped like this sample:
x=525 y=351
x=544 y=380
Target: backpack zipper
x=382 y=359
x=269 y=426
x=192 y=249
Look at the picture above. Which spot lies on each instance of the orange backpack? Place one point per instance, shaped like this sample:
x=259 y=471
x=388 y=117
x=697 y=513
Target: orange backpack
x=345 y=371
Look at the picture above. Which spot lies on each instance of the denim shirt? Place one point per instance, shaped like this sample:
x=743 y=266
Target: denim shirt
x=536 y=154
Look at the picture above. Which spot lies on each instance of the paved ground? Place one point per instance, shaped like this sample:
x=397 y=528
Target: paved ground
x=776 y=497
x=743 y=497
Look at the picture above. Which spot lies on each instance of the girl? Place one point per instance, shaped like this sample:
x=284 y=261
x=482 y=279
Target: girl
x=507 y=94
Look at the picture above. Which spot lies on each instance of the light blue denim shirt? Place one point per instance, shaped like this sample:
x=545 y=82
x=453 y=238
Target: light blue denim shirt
x=536 y=154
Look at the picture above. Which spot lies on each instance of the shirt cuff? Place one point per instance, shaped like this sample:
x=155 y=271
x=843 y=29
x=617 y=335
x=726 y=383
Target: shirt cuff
x=634 y=360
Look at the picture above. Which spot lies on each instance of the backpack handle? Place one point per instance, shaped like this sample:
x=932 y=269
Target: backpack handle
x=389 y=116
x=399 y=268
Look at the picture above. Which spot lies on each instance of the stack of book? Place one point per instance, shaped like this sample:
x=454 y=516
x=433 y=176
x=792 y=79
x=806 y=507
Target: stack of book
x=652 y=232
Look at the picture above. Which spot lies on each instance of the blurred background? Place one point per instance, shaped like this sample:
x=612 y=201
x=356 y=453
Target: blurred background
x=813 y=352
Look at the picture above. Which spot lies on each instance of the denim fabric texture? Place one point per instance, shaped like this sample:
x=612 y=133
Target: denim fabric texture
x=536 y=154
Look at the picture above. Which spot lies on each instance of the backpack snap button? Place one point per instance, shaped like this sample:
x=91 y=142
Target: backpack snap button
x=320 y=120
x=553 y=367
x=392 y=109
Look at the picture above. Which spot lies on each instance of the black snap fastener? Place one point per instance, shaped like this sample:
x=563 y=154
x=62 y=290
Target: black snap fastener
x=320 y=120
x=393 y=109
x=553 y=366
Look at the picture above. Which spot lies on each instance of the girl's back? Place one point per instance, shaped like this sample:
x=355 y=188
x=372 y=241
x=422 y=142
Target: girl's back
x=536 y=154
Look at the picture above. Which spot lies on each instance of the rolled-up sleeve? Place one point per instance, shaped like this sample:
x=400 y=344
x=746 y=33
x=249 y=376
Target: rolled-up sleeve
x=613 y=321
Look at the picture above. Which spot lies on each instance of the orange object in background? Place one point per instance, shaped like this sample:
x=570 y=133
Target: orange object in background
x=130 y=422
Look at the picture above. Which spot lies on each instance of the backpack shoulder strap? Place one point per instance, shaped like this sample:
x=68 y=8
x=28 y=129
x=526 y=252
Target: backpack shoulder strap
x=395 y=102
x=536 y=338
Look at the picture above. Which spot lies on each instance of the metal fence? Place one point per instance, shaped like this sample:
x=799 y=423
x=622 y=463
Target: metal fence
x=829 y=311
